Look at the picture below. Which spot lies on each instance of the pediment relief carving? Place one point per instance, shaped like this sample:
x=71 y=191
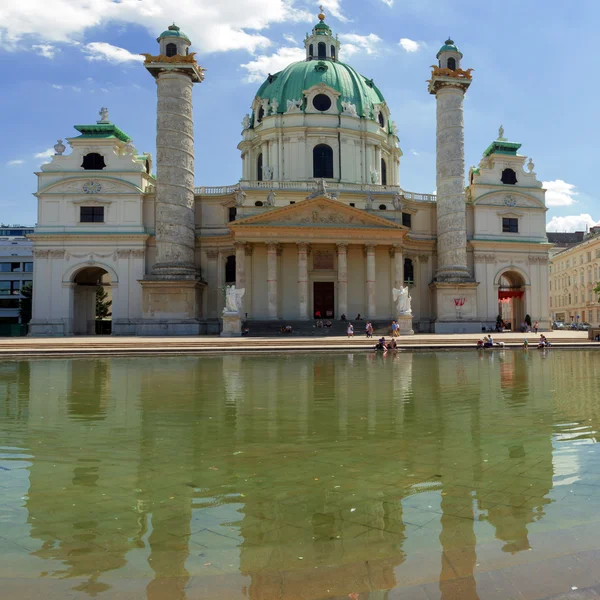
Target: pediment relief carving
x=82 y=186
x=513 y=200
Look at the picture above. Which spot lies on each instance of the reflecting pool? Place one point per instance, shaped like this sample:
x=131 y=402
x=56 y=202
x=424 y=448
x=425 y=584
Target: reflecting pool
x=301 y=476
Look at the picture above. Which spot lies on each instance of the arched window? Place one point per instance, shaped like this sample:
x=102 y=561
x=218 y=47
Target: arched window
x=323 y=161
x=148 y=167
x=381 y=121
x=258 y=203
x=93 y=162
x=311 y=51
x=232 y=213
x=333 y=52
x=171 y=49
x=509 y=177
x=259 y=168
x=383 y=207
x=230 y=269
x=322 y=49
x=452 y=63
x=261 y=114
x=409 y=271
x=383 y=172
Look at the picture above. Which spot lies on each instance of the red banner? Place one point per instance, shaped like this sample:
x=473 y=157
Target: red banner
x=508 y=294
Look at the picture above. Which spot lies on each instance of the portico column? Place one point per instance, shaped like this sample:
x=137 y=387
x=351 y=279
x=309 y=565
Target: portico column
x=396 y=254
x=273 y=249
x=342 y=272
x=303 y=280
x=240 y=268
x=370 y=287
x=211 y=280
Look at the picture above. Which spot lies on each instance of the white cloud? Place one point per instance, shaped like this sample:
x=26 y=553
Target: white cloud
x=57 y=87
x=288 y=37
x=212 y=26
x=571 y=223
x=15 y=163
x=75 y=88
x=354 y=43
x=559 y=193
x=110 y=53
x=334 y=8
x=45 y=154
x=390 y=3
x=415 y=153
x=45 y=50
x=409 y=45
x=262 y=65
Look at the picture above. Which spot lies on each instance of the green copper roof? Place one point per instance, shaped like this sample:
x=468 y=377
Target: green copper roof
x=502 y=147
x=173 y=31
x=300 y=76
x=322 y=26
x=449 y=46
x=102 y=130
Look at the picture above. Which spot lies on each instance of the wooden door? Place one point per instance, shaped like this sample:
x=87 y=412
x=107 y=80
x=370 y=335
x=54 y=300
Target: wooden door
x=324 y=299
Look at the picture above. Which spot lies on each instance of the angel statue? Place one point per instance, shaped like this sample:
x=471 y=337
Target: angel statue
x=402 y=300
x=233 y=299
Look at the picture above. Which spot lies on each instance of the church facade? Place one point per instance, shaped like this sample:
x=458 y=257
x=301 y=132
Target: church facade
x=318 y=222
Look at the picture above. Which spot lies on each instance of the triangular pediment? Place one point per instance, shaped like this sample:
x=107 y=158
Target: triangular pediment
x=317 y=212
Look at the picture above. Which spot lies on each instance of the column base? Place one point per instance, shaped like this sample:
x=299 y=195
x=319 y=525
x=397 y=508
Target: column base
x=232 y=325
x=171 y=300
x=455 y=307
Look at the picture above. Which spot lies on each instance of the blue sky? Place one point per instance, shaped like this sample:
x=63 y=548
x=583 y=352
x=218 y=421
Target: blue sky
x=535 y=73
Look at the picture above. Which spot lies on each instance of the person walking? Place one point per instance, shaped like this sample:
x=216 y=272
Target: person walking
x=350 y=330
x=369 y=329
x=394 y=329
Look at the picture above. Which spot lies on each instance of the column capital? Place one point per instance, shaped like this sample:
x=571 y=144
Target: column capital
x=303 y=247
x=239 y=245
x=395 y=249
x=248 y=248
x=424 y=258
x=369 y=249
x=212 y=253
x=274 y=247
x=342 y=247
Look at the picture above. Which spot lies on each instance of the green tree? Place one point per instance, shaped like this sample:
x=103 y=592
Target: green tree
x=25 y=303
x=102 y=304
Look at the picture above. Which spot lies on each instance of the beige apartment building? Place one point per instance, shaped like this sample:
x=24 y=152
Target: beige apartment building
x=574 y=273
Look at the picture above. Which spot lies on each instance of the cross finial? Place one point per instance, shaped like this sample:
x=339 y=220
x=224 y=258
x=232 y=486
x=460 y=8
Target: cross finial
x=322 y=13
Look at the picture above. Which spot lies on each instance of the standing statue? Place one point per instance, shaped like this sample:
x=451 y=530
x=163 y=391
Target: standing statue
x=270 y=199
x=320 y=190
x=274 y=106
x=268 y=173
x=103 y=115
x=233 y=299
x=501 y=134
x=239 y=195
x=246 y=121
x=402 y=300
x=397 y=201
x=369 y=201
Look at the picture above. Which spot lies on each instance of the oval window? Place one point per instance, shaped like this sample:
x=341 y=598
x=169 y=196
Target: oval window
x=322 y=102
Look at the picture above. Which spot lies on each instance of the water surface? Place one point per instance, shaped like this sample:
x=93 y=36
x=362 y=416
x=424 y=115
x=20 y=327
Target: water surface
x=323 y=476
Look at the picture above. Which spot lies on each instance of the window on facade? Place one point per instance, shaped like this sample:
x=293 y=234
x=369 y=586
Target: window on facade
x=352 y=204
x=322 y=102
x=10 y=288
x=28 y=267
x=510 y=225
x=407 y=220
x=322 y=50
x=232 y=213
x=310 y=51
x=261 y=114
x=148 y=167
x=323 y=161
x=9 y=303
x=171 y=49
x=451 y=63
x=381 y=120
x=259 y=168
x=383 y=172
x=91 y=214
x=258 y=203
x=382 y=207
x=93 y=162
x=230 y=269
x=292 y=202
x=333 y=52
x=409 y=271
x=509 y=177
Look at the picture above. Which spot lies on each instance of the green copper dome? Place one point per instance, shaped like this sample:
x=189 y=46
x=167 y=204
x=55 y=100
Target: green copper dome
x=322 y=28
x=173 y=31
x=300 y=76
x=449 y=46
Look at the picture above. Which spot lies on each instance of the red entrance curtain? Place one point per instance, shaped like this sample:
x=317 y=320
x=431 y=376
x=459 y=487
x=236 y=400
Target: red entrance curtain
x=508 y=294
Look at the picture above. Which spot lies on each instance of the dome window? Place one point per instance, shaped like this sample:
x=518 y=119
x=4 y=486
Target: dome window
x=322 y=50
x=383 y=172
x=323 y=162
x=311 y=51
x=509 y=177
x=93 y=162
x=258 y=203
x=261 y=114
x=171 y=50
x=333 y=52
x=259 y=167
x=451 y=63
x=381 y=121
x=383 y=207
x=322 y=102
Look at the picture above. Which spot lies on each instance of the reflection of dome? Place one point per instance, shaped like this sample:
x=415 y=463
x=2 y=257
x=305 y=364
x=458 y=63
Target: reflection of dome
x=174 y=31
x=301 y=76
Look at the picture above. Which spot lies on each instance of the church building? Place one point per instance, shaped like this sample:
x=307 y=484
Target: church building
x=318 y=222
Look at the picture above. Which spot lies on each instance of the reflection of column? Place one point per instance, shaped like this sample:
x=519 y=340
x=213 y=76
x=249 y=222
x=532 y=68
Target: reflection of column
x=211 y=280
x=370 y=291
x=302 y=280
x=273 y=250
x=342 y=271
x=240 y=270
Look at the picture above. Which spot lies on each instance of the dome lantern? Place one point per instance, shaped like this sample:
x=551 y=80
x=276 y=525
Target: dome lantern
x=321 y=44
x=449 y=56
x=173 y=41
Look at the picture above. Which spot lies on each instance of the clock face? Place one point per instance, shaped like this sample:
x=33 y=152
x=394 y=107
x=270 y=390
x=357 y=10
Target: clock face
x=92 y=187
x=510 y=201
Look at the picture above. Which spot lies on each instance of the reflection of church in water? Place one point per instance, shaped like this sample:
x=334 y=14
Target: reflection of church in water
x=154 y=493
x=319 y=221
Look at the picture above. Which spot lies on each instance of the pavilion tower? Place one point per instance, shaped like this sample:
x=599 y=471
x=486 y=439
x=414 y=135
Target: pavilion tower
x=172 y=290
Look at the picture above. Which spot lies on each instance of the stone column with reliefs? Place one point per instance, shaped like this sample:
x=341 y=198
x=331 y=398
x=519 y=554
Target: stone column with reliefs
x=342 y=274
x=449 y=91
x=303 y=249
x=273 y=251
x=370 y=291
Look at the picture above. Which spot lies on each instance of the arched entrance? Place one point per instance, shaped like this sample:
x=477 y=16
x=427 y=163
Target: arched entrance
x=92 y=302
x=511 y=299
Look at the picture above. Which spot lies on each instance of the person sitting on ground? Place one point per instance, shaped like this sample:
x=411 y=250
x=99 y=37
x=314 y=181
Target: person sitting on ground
x=288 y=329
x=317 y=314
x=480 y=343
x=394 y=345
x=380 y=344
x=343 y=317
x=319 y=323
x=358 y=317
x=282 y=330
x=487 y=341
x=328 y=323
x=350 y=330
x=245 y=331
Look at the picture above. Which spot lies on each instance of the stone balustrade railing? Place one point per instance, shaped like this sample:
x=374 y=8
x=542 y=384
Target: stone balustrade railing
x=309 y=186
